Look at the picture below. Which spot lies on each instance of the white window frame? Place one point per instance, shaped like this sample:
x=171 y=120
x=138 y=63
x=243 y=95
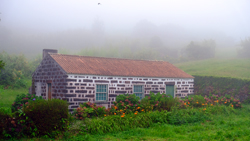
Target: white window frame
x=107 y=90
x=143 y=95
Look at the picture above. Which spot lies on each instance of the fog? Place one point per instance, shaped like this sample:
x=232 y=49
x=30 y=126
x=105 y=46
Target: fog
x=164 y=26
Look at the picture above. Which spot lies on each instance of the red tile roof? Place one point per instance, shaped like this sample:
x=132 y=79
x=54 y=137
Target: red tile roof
x=74 y=64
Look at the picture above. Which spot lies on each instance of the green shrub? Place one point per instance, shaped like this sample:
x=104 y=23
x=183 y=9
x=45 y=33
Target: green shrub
x=49 y=116
x=126 y=103
x=159 y=102
x=17 y=125
x=3 y=116
x=23 y=99
x=196 y=100
x=89 y=110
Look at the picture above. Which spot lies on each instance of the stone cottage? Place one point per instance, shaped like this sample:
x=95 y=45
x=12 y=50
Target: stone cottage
x=79 y=79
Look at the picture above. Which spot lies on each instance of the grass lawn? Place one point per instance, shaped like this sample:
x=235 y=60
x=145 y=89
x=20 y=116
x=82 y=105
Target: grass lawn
x=7 y=96
x=235 y=68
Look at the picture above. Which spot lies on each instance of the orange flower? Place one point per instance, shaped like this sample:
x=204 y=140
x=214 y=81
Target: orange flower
x=114 y=113
x=142 y=110
x=211 y=104
x=138 y=107
x=123 y=113
x=232 y=105
x=225 y=102
x=188 y=102
x=122 y=116
x=202 y=103
x=197 y=102
x=204 y=109
x=135 y=113
x=105 y=115
x=120 y=110
x=185 y=103
x=115 y=107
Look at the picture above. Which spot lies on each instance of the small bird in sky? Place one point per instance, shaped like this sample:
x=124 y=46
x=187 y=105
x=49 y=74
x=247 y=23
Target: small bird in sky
x=99 y=3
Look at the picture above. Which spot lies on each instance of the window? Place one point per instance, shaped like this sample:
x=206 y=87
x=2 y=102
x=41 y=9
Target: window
x=138 y=91
x=101 y=92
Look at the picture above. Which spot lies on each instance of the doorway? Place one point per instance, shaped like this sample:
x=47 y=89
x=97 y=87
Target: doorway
x=49 y=90
x=170 y=90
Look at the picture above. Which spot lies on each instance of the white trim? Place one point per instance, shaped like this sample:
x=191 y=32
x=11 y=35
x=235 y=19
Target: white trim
x=107 y=92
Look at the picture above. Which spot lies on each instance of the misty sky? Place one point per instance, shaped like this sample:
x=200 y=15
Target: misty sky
x=228 y=16
x=27 y=25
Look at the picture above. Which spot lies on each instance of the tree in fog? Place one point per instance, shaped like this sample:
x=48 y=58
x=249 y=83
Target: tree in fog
x=203 y=50
x=245 y=51
x=145 y=29
x=1 y=65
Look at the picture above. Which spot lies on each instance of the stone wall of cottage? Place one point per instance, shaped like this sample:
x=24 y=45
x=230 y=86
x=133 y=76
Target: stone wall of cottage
x=49 y=72
x=81 y=88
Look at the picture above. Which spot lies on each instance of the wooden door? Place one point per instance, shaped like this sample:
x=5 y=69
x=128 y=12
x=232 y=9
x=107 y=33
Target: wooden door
x=170 y=90
x=49 y=90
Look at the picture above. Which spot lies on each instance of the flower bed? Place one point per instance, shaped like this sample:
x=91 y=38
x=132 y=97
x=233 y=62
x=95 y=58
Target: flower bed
x=130 y=104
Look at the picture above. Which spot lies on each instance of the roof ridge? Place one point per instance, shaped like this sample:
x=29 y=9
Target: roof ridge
x=107 y=57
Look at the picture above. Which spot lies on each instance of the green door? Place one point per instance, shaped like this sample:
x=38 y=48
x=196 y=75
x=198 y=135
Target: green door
x=170 y=89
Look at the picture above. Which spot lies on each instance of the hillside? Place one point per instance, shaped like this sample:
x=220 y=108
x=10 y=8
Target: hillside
x=235 y=68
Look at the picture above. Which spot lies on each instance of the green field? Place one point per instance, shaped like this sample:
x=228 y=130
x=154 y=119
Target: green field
x=235 y=68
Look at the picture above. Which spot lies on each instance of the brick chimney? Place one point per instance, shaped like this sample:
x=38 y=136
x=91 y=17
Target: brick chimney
x=47 y=51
